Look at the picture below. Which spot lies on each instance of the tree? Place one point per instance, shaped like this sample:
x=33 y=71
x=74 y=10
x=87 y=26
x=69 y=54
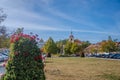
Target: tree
x=60 y=45
x=25 y=59
x=85 y=44
x=4 y=39
x=109 y=45
x=4 y=42
x=75 y=48
x=19 y=30
x=68 y=47
x=2 y=15
x=50 y=46
x=2 y=18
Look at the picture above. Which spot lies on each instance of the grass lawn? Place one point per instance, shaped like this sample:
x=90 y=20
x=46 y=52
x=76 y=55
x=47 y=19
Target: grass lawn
x=76 y=68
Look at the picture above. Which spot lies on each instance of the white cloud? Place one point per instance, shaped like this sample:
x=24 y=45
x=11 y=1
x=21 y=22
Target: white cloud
x=28 y=26
x=21 y=14
x=19 y=10
x=12 y=24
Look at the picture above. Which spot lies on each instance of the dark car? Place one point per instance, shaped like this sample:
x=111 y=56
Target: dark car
x=116 y=56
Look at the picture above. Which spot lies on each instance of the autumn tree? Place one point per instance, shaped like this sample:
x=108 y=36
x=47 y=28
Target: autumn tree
x=68 y=47
x=109 y=45
x=75 y=48
x=83 y=46
x=50 y=46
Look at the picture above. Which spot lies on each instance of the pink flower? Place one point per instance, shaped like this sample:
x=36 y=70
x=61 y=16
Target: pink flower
x=36 y=58
x=34 y=37
x=40 y=57
x=4 y=64
x=11 y=41
x=31 y=38
x=17 y=38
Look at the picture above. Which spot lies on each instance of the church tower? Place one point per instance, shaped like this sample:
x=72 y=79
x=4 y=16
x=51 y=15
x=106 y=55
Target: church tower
x=71 y=37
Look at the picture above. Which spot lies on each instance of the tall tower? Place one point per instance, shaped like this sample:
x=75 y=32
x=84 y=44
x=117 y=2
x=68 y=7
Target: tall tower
x=71 y=37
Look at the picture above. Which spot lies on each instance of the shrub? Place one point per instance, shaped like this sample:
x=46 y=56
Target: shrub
x=25 y=59
x=65 y=55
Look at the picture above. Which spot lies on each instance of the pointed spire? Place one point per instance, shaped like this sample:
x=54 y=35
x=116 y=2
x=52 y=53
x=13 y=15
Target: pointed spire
x=71 y=37
x=71 y=32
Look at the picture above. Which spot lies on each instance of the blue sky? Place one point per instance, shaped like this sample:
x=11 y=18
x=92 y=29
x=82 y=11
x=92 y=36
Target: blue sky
x=92 y=20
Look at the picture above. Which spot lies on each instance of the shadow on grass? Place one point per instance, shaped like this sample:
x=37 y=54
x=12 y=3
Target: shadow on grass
x=111 y=76
x=48 y=61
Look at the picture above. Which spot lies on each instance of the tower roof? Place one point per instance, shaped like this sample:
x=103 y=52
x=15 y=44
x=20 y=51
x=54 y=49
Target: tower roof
x=77 y=41
x=71 y=35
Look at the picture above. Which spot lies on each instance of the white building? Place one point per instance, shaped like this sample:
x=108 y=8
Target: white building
x=71 y=38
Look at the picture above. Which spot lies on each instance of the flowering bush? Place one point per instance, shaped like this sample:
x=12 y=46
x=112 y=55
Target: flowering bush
x=25 y=59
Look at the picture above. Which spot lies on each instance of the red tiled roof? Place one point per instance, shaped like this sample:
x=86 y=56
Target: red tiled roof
x=77 y=41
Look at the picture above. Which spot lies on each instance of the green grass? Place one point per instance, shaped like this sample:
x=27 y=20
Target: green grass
x=111 y=76
x=75 y=68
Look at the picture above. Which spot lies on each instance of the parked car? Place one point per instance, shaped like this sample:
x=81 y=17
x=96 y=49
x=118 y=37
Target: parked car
x=1 y=57
x=111 y=55
x=116 y=56
x=5 y=53
x=5 y=56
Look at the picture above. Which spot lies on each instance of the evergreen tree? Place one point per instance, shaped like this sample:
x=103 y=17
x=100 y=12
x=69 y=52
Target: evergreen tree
x=25 y=59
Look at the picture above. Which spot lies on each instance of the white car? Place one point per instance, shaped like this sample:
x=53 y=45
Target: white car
x=3 y=57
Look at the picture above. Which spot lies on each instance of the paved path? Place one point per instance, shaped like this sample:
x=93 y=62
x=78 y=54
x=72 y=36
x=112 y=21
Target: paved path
x=2 y=69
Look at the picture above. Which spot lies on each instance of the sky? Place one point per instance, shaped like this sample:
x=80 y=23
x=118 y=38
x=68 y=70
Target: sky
x=89 y=20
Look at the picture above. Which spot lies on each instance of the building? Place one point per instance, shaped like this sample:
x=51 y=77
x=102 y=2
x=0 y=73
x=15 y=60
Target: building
x=73 y=40
x=71 y=37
